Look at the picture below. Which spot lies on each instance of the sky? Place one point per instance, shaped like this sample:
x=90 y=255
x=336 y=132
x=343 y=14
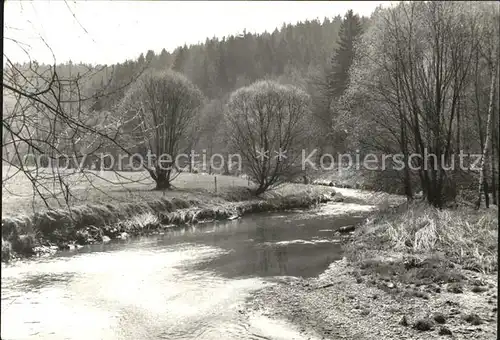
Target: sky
x=107 y=32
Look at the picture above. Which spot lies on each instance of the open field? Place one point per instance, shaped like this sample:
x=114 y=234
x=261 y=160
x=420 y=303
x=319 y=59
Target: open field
x=117 y=187
x=106 y=186
x=127 y=187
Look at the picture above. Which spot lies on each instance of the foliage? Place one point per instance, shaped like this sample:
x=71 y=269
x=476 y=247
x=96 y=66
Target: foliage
x=350 y=31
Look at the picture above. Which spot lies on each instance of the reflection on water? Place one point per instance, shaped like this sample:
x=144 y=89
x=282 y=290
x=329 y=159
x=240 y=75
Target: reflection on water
x=186 y=284
x=291 y=245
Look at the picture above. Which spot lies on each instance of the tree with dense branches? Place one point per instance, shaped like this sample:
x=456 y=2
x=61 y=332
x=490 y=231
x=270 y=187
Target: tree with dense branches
x=162 y=108
x=268 y=123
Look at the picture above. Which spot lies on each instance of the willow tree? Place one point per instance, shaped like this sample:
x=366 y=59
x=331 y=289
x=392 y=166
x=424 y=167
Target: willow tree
x=163 y=110
x=268 y=123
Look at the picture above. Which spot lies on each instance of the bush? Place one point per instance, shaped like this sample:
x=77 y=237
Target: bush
x=264 y=118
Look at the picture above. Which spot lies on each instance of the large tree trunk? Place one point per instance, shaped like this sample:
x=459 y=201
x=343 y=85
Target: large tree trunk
x=162 y=178
x=404 y=145
x=494 y=181
x=494 y=174
x=482 y=184
x=486 y=192
x=494 y=155
x=190 y=165
x=261 y=189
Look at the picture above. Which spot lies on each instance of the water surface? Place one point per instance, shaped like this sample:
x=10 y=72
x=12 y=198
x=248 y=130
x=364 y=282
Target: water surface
x=185 y=284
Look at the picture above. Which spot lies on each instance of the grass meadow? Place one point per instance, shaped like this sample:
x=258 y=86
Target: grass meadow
x=19 y=195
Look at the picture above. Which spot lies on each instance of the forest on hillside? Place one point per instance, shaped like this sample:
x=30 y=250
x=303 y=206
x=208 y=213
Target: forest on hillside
x=417 y=77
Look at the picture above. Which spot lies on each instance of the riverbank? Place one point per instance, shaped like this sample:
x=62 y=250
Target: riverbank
x=46 y=232
x=416 y=273
x=116 y=205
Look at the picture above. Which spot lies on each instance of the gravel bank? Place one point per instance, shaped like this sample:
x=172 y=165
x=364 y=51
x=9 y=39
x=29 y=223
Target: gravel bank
x=339 y=304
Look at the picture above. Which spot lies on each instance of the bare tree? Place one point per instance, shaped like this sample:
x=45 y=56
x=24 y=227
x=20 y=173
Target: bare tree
x=50 y=125
x=162 y=109
x=48 y=117
x=414 y=74
x=482 y=171
x=267 y=122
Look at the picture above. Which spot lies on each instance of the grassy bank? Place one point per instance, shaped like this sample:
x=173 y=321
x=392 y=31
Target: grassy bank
x=413 y=235
x=413 y=272
x=96 y=187
x=132 y=210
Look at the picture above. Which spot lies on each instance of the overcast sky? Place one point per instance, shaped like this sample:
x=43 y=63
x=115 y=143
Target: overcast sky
x=113 y=31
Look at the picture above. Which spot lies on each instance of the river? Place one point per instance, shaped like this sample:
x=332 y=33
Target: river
x=189 y=283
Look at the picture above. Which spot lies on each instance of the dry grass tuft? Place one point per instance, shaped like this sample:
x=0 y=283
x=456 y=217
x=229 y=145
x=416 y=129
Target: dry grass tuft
x=141 y=221
x=464 y=236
